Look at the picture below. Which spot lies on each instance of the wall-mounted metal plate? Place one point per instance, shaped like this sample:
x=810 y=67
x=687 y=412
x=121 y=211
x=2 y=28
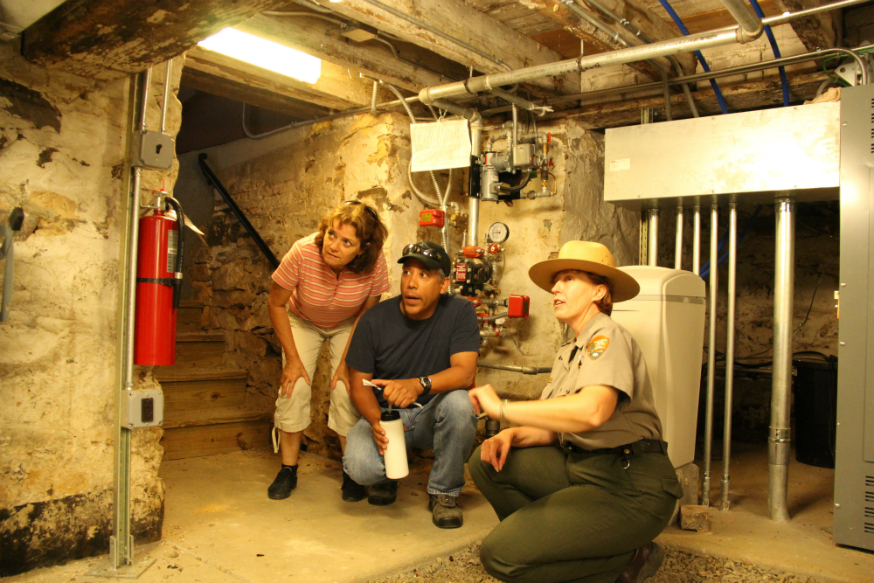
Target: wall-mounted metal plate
x=142 y=409
x=748 y=156
x=154 y=150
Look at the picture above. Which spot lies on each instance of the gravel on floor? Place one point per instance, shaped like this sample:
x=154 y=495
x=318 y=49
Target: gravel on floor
x=679 y=567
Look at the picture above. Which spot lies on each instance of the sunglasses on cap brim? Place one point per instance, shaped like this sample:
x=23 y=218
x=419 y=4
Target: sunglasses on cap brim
x=420 y=249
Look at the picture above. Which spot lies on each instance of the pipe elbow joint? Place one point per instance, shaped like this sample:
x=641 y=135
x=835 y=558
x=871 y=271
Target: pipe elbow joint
x=745 y=36
x=425 y=96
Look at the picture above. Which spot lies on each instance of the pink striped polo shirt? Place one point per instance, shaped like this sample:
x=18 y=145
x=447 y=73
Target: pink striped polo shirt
x=317 y=293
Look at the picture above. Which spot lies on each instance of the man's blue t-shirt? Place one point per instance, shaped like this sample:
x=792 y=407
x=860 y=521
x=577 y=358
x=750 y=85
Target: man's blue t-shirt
x=389 y=345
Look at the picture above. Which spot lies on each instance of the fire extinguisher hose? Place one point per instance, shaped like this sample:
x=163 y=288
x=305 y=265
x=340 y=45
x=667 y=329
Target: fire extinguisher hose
x=177 y=269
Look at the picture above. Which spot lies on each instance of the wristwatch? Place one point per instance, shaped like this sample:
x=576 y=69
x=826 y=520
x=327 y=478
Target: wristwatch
x=426 y=384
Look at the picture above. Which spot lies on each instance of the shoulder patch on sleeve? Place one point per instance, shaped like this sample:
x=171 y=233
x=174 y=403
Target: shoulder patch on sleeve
x=597 y=346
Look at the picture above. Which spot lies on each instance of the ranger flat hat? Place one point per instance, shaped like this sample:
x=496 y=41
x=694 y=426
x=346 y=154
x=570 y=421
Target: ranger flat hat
x=585 y=256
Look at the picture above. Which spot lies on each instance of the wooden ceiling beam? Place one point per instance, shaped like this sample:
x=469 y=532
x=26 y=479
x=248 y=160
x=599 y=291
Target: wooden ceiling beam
x=323 y=40
x=817 y=31
x=258 y=96
x=335 y=89
x=624 y=110
x=498 y=47
x=108 y=38
x=641 y=17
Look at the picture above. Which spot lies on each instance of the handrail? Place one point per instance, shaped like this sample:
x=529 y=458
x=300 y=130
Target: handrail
x=216 y=183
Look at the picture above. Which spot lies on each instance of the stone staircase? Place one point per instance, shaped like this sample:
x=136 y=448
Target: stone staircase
x=205 y=405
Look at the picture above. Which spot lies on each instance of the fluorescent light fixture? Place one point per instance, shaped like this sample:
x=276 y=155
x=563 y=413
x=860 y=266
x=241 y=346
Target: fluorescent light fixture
x=265 y=54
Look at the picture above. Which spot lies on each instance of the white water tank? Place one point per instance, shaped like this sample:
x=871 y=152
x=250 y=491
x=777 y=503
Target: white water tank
x=667 y=320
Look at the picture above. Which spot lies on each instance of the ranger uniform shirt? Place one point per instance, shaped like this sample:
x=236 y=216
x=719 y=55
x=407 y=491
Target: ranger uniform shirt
x=606 y=354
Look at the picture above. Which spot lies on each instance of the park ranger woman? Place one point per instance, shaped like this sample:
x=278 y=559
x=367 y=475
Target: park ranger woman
x=581 y=480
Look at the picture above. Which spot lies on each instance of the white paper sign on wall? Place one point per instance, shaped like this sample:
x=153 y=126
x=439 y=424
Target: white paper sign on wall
x=440 y=145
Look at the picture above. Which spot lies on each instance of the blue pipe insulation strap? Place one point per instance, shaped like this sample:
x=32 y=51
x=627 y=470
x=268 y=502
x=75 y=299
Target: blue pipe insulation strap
x=705 y=269
x=784 y=81
x=679 y=22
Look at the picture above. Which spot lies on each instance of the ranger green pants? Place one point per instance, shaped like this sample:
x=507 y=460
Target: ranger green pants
x=568 y=516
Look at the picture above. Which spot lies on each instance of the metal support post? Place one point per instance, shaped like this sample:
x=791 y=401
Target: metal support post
x=652 y=232
x=696 y=240
x=678 y=246
x=729 y=353
x=784 y=281
x=711 y=351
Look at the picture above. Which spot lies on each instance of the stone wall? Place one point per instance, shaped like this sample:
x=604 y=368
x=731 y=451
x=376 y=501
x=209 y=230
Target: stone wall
x=63 y=159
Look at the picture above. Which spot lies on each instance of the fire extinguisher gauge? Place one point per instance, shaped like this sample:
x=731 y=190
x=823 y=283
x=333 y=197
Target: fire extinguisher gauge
x=498 y=232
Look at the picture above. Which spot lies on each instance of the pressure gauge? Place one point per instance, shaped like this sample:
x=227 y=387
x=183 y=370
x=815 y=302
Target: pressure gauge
x=498 y=232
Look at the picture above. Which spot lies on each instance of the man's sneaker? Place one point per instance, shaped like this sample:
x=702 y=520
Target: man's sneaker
x=383 y=494
x=644 y=564
x=285 y=482
x=352 y=490
x=445 y=511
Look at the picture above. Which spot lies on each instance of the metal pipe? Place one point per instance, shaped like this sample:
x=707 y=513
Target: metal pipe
x=511 y=368
x=678 y=245
x=747 y=19
x=664 y=48
x=779 y=438
x=473 y=221
x=713 y=292
x=729 y=353
x=739 y=70
x=144 y=106
x=523 y=103
x=652 y=235
x=373 y=98
x=514 y=135
x=645 y=38
x=475 y=85
x=166 y=97
x=696 y=240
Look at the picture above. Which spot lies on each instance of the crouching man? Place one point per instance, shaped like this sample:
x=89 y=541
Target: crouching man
x=420 y=348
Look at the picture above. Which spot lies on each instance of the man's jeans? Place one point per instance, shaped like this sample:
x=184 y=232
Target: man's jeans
x=445 y=424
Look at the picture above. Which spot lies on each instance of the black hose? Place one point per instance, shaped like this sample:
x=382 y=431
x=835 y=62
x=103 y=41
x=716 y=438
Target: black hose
x=177 y=268
x=504 y=189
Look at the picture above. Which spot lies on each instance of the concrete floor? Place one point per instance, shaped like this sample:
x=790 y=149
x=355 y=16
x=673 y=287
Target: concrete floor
x=220 y=526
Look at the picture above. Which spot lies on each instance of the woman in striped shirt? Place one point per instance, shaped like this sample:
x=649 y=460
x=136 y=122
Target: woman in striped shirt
x=320 y=289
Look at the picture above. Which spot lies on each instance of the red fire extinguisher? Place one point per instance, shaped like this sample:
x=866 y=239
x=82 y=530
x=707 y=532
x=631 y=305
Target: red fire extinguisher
x=159 y=279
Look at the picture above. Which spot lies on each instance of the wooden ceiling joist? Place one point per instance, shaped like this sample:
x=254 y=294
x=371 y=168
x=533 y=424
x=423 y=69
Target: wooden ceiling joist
x=335 y=89
x=324 y=41
x=624 y=110
x=504 y=47
x=262 y=97
x=108 y=38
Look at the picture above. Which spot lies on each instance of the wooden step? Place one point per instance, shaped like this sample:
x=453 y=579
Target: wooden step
x=203 y=389
x=203 y=440
x=200 y=349
x=189 y=316
x=212 y=416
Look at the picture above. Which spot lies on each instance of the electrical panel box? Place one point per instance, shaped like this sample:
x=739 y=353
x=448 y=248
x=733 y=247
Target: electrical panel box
x=142 y=409
x=854 y=441
x=154 y=150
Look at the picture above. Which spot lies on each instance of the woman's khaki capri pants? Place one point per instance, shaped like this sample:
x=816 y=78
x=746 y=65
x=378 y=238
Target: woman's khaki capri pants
x=293 y=412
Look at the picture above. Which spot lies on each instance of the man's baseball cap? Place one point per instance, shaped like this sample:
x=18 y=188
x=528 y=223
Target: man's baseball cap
x=431 y=254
